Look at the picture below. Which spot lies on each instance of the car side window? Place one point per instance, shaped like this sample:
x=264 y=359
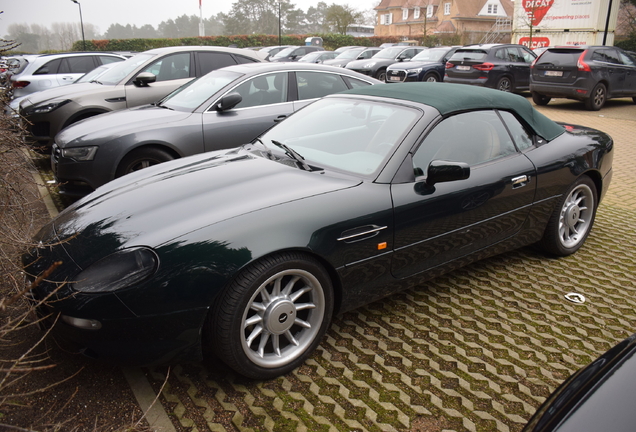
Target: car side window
x=313 y=85
x=80 y=64
x=263 y=90
x=175 y=66
x=474 y=138
x=526 y=55
x=242 y=59
x=209 y=61
x=607 y=56
x=356 y=83
x=109 y=59
x=522 y=139
x=627 y=60
x=366 y=55
x=502 y=54
x=49 y=68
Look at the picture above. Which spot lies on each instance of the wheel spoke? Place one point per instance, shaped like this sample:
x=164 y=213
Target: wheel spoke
x=305 y=306
x=276 y=345
x=302 y=323
x=258 y=307
x=290 y=337
x=255 y=333
x=300 y=293
x=261 y=345
x=290 y=285
x=252 y=321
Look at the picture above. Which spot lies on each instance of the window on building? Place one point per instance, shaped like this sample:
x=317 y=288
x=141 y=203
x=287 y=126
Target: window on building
x=386 y=19
x=416 y=13
x=405 y=13
x=429 y=11
x=492 y=9
x=447 y=8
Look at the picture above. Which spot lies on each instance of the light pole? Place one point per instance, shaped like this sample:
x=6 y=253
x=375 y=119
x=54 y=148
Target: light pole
x=81 y=23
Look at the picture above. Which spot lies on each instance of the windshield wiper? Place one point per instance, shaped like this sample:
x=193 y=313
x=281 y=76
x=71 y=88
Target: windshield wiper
x=95 y=81
x=294 y=155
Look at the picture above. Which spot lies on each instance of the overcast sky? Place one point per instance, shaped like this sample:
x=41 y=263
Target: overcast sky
x=103 y=13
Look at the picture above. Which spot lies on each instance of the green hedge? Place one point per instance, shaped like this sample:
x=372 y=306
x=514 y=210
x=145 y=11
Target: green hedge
x=330 y=42
x=627 y=44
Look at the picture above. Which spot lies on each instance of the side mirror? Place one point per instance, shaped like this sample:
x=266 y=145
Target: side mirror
x=228 y=101
x=440 y=171
x=144 y=79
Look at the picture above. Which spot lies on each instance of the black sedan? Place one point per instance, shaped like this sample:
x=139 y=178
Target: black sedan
x=223 y=109
x=429 y=65
x=598 y=397
x=376 y=65
x=249 y=252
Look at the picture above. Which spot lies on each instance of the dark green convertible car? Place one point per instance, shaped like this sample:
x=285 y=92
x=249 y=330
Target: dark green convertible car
x=249 y=252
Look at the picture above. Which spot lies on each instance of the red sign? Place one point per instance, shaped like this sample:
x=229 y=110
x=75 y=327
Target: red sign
x=537 y=42
x=536 y=9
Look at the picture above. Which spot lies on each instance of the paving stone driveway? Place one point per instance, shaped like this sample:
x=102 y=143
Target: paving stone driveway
x=475 y=350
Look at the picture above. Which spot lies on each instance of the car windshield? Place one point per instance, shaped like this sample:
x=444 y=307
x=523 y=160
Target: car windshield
x=311 y=56
x=90 y=76
x=190 y=96
x=350 y=54
x=388 y=53
x=432 y=55
x=285 y=53
x=123 y=69
x=351 y=135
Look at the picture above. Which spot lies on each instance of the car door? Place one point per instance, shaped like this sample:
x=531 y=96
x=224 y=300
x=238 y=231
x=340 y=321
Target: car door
x=172 y=71
x=72 y=68
x=608 y=59
x=438 y=224
x=630 y=75
x=265 y=101
x=521 y=58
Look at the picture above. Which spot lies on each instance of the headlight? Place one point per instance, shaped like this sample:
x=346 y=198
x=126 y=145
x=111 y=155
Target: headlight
x=414 y=71
x=80 y=153
x=368 y=65
x=46 y=108
x=119 y=270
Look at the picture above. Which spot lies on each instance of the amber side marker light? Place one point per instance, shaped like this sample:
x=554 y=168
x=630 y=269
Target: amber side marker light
x=381 y=245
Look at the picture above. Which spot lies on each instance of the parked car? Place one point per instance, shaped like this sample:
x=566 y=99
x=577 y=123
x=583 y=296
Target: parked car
x=142 y=79
x=251 y=251
x=12 y=66
x=293 y=53
x=591 y=74
x=273 y=50
x=347 y=56
x=348 y=47
x=503 y=67
x=54 y=70
x=598 y=397
x=223 y=109
x=429 y=65
x=376 y=65
x=318 y=57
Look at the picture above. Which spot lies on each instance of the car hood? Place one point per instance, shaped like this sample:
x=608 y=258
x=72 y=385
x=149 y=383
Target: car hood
x=109 y=126
x=336 y=62
x=158 y=204
x=412 y=64
x=356 y=64
x=62 y=92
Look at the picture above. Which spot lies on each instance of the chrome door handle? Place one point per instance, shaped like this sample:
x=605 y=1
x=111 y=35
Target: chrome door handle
x=520 y=181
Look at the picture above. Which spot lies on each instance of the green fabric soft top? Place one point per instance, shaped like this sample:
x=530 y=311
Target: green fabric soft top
x=449 y=98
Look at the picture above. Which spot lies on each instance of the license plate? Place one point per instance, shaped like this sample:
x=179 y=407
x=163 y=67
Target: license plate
x=554 y=73
x=463 y=67
x=394 y=78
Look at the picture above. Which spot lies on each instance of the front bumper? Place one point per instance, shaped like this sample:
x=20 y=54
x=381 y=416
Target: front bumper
x=77 y=179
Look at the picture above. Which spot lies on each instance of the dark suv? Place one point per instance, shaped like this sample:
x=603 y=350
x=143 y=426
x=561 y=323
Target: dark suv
x=591 y=74
x=503 y=67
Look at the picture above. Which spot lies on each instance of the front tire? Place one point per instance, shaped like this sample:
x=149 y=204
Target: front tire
x=272 y=316
x=597 y=99
x=430 y=77
x=142 y=158
x=381 y=75
x=572 y=219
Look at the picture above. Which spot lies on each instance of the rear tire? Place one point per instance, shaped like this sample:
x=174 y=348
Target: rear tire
x=597 y=99
x=272 y=316
x=540 y=99
x=142 y=158
x=504 y=84
x=571 y=220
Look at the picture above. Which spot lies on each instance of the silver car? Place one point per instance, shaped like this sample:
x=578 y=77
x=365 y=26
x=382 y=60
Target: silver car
x=142 y=79
x=223 y=109
x=54 y=70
